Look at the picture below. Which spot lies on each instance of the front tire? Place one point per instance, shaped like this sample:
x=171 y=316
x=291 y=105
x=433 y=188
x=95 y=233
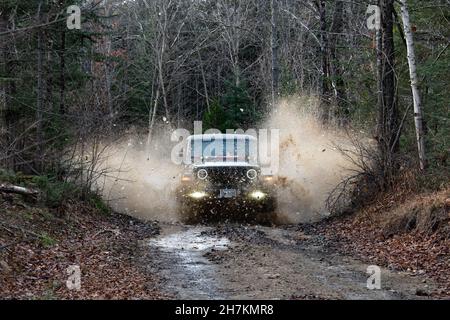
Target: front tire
x=189 y=213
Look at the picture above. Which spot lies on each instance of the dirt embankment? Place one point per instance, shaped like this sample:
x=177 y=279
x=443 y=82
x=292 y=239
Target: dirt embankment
x=403 y=230
x=38 y=244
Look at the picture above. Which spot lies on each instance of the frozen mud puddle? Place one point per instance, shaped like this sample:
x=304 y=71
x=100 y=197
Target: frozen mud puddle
x=190 y=274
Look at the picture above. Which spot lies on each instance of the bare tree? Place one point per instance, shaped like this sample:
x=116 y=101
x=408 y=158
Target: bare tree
x=325 y=62
x=274 y=50
x=337 y=78
x=233 y=18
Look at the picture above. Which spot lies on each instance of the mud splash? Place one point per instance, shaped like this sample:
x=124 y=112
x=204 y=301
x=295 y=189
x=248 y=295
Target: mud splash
x=145 y=179
x=310 y=163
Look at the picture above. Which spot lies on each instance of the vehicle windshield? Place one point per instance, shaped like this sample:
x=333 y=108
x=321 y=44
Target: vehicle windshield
x=223 y=149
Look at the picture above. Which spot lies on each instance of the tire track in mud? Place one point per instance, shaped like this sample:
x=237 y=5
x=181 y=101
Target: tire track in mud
x=230 y=261
x=179 y=256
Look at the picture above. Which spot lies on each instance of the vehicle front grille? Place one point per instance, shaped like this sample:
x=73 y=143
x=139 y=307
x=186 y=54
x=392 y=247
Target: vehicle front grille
x=228 y=176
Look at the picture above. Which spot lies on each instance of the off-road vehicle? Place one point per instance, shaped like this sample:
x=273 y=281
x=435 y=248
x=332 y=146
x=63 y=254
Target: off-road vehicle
x=223 y=180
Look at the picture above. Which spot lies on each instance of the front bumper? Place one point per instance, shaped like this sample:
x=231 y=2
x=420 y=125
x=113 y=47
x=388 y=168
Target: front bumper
x=220 y=201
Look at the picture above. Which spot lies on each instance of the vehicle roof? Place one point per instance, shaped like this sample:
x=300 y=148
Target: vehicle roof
x=208 y=137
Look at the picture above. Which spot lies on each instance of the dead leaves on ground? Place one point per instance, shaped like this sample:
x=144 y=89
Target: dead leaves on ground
x=417 y=253
x=104 y=246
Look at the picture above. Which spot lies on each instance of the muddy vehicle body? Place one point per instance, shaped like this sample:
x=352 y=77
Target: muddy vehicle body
x=223 y=180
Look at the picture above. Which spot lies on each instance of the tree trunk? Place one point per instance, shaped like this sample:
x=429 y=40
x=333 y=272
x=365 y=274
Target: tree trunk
x=39 y=94
x=418 y=119
x=151 y=118
x=205 y=85
x=274 y=46
x=387 y=110
x=62 y=79
x=9 y=118
x=161 y=77
x=340 y=96
x=3 y=89
x=325 y=86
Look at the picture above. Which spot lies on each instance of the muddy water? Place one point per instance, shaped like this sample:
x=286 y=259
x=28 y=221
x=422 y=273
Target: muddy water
x=253 y=262
x=190 y=275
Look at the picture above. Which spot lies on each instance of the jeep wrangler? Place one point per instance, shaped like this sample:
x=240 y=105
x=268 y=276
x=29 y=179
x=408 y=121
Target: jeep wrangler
x=223 y=179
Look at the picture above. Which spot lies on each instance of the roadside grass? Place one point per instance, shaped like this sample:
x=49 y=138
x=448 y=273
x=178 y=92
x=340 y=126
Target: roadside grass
x=46 y=240
x=98 y=203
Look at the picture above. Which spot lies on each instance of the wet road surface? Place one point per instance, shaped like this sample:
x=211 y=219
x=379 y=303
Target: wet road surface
x=256 y=262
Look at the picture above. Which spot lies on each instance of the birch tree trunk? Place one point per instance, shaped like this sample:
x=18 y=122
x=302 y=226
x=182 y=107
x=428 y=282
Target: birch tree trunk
x=418 y=120
x=205 y=85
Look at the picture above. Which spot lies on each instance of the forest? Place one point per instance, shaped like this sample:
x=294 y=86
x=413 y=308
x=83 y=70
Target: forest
x=152 y=62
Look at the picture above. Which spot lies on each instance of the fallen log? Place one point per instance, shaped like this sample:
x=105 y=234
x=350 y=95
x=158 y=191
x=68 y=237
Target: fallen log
x=18 y=190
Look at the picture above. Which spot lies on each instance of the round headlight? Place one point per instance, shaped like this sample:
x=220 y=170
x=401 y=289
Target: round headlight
x=258 y=195
x=202 y=174
x=252 y=174
x=198 y=194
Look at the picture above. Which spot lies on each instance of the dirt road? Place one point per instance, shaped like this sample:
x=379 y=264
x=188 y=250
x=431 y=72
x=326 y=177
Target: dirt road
x=256 y=262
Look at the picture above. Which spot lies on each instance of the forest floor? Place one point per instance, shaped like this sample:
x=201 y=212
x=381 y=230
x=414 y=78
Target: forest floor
x=38 y=244
x=123 y=258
